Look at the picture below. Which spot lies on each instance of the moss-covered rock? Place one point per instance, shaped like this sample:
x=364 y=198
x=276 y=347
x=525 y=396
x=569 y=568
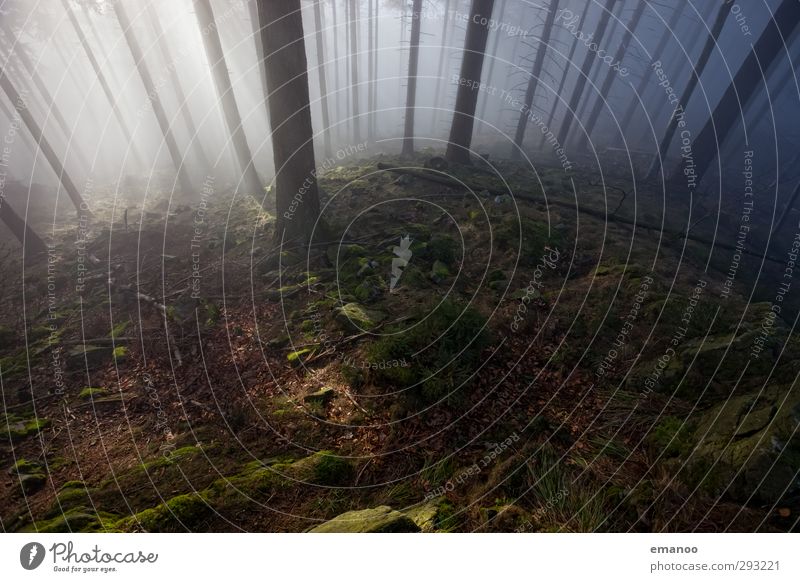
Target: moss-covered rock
x=16 y=428
x=355 y=317
x=381 y=519
x=181 y=513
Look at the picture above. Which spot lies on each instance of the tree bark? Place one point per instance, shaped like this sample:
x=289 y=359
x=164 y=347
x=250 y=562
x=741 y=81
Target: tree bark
x=490 y=73
x=611 y=74
x=227 y=99
x=458 y=147
x=769 y=44
x=354 y=22
x=183 y=103
x=31 y=243
x=580 y=84
x=323 y=83
x=44 y=145
x=262 y=76
x=152 y=93
x=413 y=70
x=686 y=96
x=440 y=75
x=297 y=199
x=533 y=82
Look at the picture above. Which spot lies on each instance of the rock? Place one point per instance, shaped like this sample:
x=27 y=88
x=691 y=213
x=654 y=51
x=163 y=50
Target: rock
x=320 y=396
x=356 y=317
x=32 y=483
x=381 y=519
x=439 y=272
x=425 y=514
x=750 y=446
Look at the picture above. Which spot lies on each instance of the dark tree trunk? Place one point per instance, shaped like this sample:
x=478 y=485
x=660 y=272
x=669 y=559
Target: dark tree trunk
x=38 y=136
x=565 y=74
x=101 y=78
x=323 y=83
x=769 y=44
x=611 y=74
x=354 y=69
x=458 y=147
x=175 y=80
x=372 y=23
x=490 y=73
x=297 y=199
x=437 y=101
x=337 y=80
x=627 y=117
x=222 y=82
x=580 y=84
x=152 y=93
x=31 y=243
x=413 y=68
x=533 y=82
x=696 y=72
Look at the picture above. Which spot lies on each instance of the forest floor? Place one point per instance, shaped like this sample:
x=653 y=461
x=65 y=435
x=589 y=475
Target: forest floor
x=473 y=361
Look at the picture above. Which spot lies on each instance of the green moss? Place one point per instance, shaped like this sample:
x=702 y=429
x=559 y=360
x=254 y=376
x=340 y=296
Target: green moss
x=181 y=513
x=91 y=392
x=671 y=437
x=529 y=236
x=298 y=357
x=26 y=467
x=16 y=428
x=322 y=468
x=119 y=329
x=120 y=353
x=79 y=519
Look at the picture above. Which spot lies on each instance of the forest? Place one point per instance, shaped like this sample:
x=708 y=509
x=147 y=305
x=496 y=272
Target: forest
x=399 y=266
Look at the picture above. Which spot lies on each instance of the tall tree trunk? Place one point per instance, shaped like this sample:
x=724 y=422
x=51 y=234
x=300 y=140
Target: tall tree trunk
x=38 y=136
x=183 y=104
x=297 y=198
x=686 y=96
x=483 y=126
x=533 y=82
x=413 y=70
x=152 y=93
x=222 y=83
x=627 y=117
x=101 y=78
x=375 y=70
x=323 y=83
x=440 y=74
x=336 y=70
x=354 y=23
x=371 y=74
x=611 y=74
x=769 y=44
x=262 y=76
x=564 y=75
x=17 y=50
x=31 y=243
x=458 y=147
x=580 y=84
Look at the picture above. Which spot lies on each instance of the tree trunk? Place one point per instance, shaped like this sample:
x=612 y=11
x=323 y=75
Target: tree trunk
x=297 y=199
x=262 y=76
x=437 y=101
x=458 y=147
x=533 y=82
x=337 y=80
x=354 y=69
x=413 y=69
x=38 y=136
x=323 y=83
x=152 y=93
x=580 y=84
x=31 y=243
x=483 y=126
x=611 y=74
x=686 y=96
x=227 y=99
x=627 y=117
x=101 y=78
x=769 y=44
x=183 y=104
x=16 y=50
x=564 y=76
x=371 y=74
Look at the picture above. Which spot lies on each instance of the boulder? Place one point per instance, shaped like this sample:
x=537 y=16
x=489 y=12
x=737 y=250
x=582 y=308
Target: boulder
x=381 y=519
x=355 y=317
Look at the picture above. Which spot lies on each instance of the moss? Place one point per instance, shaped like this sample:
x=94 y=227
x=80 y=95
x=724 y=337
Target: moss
x=16 y=428
x=355 y=317
x=91 y=392
x=79 y=519
x=26 y=467
x=73 y=485
x=322 y=468
x=119 y=329
x=181 y=513
x=377 y=520
x=529 y=236
x=298 y=357
x=439 y=272
x=120 y=353
x=671 y=437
